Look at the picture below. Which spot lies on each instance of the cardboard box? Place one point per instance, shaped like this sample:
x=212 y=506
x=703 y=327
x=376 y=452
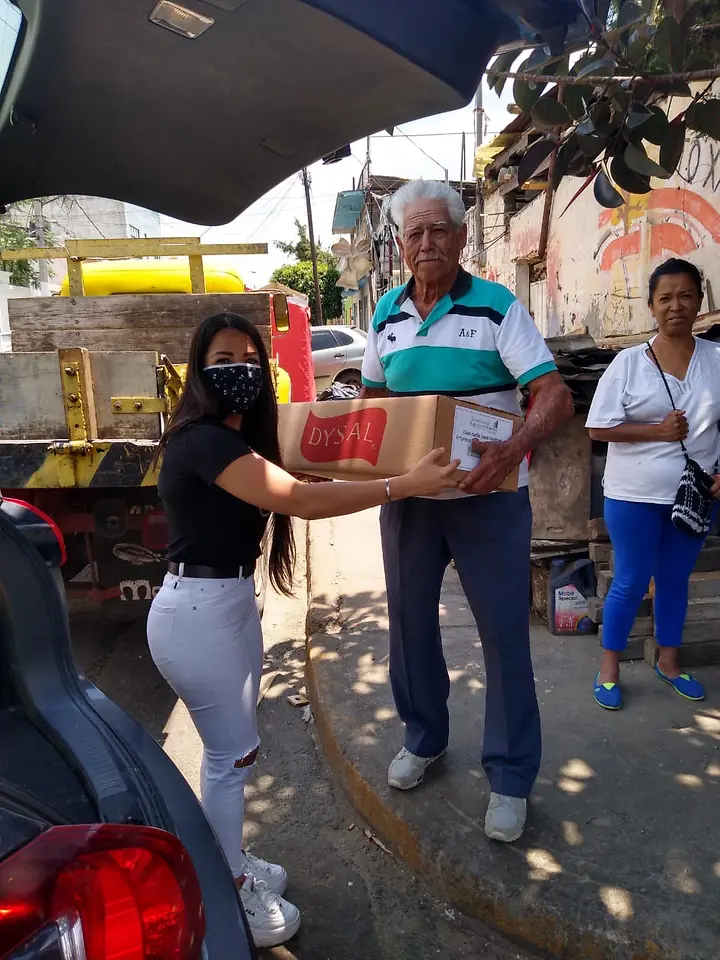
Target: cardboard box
x=371 y=439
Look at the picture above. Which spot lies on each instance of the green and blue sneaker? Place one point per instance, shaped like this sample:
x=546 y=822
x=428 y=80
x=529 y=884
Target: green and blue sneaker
x=686 y=685
x=608 y=695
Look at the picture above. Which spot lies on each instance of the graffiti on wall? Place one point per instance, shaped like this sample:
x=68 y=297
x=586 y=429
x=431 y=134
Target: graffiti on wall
x=674 y=220
x=670 y=221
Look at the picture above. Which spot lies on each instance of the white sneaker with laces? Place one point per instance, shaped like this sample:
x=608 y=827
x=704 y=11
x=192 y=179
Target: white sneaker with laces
x=407 y=771
x=272 y=920
x=272 y=874
x=505 y=817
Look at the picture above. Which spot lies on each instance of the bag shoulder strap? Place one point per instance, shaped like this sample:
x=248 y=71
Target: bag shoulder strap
x=667 y=387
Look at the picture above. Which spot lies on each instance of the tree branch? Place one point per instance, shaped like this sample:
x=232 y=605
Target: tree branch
x=712 y=73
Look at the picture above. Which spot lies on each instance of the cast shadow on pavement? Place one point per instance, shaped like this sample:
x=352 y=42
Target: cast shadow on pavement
x=622 y=848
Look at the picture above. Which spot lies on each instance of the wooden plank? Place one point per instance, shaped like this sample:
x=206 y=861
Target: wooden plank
x=560 y=484
x=597 y=604
x=539 y=575
x=76 y=283
x=700 y=654
x=699 y=631
x=501 y=160
x=595 y=609
x=704 y=584
x=596 y=529
x=642 y=627
x=703 y=654
x=709 y=560
x=197 y=274
x=635 y=649
x=125 y=374
x=31 y=400
x=33 y=253
x=600 y=552
x=125 y=248
x=174 y=342
x=604 y=582
x=79 y=358
x=133 y=311
x=703 y=608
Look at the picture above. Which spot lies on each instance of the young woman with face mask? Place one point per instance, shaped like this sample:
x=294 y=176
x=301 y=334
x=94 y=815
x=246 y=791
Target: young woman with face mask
x=222 y=484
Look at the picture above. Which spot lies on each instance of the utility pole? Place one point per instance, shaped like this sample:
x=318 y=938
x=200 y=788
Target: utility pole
x=39 y=230
x=479 y=253
x=313 y=250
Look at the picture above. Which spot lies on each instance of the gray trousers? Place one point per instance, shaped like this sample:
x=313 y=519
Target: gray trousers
x=489 y=540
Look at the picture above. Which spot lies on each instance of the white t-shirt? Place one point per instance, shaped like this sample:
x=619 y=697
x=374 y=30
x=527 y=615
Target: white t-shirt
x=631 y=391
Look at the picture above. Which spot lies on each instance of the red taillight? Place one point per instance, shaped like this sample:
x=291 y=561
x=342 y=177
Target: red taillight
x=46 y=518
x=134 y=889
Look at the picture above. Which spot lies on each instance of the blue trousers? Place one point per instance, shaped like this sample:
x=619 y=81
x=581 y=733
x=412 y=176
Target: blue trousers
x=489 y=540
x=646 y=544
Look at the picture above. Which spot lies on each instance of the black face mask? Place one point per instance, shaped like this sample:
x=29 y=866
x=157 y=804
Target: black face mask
x=237 y=384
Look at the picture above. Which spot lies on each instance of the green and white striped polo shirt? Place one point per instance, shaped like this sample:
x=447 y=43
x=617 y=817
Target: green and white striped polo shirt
x=478 y=343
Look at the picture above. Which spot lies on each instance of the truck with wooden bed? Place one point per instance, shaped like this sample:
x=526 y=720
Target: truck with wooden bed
x=89 y=384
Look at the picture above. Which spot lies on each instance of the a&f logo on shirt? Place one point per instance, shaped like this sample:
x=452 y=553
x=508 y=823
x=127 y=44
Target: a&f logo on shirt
x=466 y=333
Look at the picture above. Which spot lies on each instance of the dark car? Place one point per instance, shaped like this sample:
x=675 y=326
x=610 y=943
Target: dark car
x=104 y=849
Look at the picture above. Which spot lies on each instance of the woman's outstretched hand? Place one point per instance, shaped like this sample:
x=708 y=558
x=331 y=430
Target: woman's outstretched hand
x=427 y=479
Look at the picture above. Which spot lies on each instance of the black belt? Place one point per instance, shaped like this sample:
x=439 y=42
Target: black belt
x=199 y=572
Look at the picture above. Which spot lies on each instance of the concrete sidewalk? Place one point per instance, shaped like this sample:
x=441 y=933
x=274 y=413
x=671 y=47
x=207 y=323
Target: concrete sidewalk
x=621 y=856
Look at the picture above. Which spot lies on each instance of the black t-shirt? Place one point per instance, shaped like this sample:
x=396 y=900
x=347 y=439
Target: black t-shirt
x=207 y=524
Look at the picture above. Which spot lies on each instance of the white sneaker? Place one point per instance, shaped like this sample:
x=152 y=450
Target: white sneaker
x=272 y=920
x=407 y=771
x=505 y=817
x=272 y=874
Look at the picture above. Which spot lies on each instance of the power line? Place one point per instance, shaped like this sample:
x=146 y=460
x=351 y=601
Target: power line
x=275 y=209
x=88 y=217
x=437 y=162
x=443 y=133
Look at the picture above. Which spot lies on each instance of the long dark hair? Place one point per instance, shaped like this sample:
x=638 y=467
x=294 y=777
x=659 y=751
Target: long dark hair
x=259 y=427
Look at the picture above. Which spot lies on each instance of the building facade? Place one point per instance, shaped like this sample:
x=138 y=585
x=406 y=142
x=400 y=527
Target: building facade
x=591 y=270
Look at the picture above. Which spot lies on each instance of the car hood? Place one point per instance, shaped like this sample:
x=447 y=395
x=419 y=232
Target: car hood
x=101 y=101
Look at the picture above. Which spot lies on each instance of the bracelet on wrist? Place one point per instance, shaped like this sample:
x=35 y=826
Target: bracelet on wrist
x=388 y=493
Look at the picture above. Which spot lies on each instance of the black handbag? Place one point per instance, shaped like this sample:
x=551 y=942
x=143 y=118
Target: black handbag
x=692 y=511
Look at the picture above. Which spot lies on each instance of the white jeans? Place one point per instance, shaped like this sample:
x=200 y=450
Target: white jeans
x=206 y=641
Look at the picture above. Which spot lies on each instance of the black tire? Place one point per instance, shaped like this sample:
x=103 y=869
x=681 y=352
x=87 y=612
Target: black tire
x=77 y=557
x=351 y=378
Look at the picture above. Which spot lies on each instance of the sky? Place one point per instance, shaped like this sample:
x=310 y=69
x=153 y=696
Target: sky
x=271 y=218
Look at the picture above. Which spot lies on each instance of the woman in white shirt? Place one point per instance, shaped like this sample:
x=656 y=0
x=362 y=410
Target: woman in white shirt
x=632 y=413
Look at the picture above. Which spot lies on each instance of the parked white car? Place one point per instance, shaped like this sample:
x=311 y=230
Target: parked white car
x=338 y=353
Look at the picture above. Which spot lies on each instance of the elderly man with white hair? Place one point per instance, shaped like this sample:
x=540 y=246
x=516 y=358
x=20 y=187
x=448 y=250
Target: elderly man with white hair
x=447 y=332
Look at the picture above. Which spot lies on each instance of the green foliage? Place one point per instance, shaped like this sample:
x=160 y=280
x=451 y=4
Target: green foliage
x=301 y=248
x=603 y=129
x=17 y=231
x=299 y=276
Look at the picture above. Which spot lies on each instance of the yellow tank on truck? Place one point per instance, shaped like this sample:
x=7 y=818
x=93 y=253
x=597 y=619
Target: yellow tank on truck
x=106 y=277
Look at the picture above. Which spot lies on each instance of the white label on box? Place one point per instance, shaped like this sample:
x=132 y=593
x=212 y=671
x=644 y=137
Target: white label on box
x=472 y=425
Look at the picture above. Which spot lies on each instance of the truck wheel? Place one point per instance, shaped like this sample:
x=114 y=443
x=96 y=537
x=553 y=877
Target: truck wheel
x=351 y=378
x=77 y=558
